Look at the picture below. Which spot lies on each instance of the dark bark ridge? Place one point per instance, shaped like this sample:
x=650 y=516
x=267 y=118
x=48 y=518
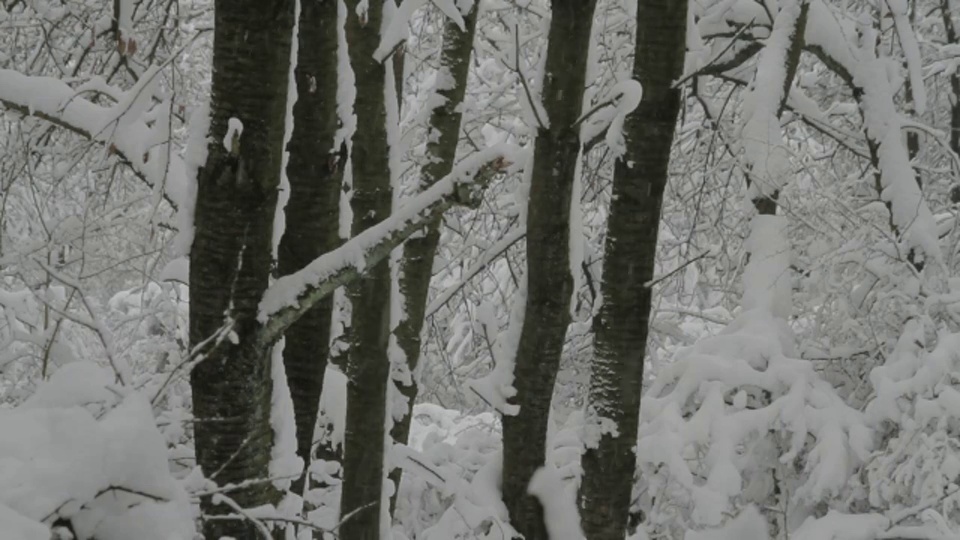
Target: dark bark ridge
x=232 y=253
x=623 y=321
x=367 y=362
x=549 y=281
x=314 y=171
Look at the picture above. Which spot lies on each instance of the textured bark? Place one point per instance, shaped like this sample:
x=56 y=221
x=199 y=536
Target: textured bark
x=314 y=171
x=232 y=252
x=367 y=363
x=550 y=284
x=416 y=266
x=621 y=326
x=913 y=138
x=950 y=28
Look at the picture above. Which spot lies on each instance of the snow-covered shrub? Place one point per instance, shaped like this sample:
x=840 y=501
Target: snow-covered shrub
x=85 y=454
x=915 y=477
x=451 y=471
x=738 y=418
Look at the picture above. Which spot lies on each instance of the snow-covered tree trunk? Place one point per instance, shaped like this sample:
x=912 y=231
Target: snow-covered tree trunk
x=622 y=324
x=232 y=253
x=314 y=170
x=763 y=139
x=550 y=284
x=367 y=363
x=416 y=266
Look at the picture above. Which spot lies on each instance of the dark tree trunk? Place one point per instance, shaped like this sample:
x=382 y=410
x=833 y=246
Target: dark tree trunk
x=549 y=282
x=416 y=266
x=622 y=324
x=312 y=216
x=367 y=362
x=232 y=252
x=950 y=28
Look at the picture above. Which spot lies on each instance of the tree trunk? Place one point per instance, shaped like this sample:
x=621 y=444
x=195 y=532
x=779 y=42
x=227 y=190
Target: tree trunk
x=550 y=284
x=314 y=171
x=232 y=253
x=418 y=253
x=367 y=363
x=630 y=252
x=767 y=206
x=950 y=29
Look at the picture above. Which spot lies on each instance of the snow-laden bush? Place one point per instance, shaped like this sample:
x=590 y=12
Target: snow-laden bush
x=738 y=418
x=451 y=471
x=84 y=454
x=915 y=480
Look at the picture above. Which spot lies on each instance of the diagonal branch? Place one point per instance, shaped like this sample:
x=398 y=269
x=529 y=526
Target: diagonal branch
x=291 y=296
x=54 y=101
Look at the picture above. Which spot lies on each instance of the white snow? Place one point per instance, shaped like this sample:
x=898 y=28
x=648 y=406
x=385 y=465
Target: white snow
x=559 y=504
x=234 y=131
x=176 y=270
x=283 y=194
x=684 y=415
x=396 y=28
x=765 y=150
x=119 y=127
x=629 y=93
x=18 y=527
x=911 y=52
x=767 y=277
x=748 y=525
x=124 y=18
x=882 y=123
x=333 y=403
x=839 y=526
x=106 y=471
x=353 y=253
x=285 y=464
x=496 y=388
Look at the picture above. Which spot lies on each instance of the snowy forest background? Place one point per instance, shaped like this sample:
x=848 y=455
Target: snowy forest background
x=353 y=269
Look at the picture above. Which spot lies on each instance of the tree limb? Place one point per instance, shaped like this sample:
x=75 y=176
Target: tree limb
x=291 y=296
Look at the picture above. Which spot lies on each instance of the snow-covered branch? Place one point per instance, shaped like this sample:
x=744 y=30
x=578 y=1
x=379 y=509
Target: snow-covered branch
x=867 y=74
x=291 y=296
x=120 y=127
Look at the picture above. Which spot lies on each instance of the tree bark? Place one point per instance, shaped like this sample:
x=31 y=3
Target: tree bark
x=623 y=321
x=367 y=362
x=314 y=170
x=232 y=253
x=550 y=284
x=416 y=266
x=950 y=28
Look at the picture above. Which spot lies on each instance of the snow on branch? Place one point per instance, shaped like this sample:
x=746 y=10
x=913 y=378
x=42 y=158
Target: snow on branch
x=605 y=120
x=291 y=296
x=868 y=75
x=767 y=277
x=911 y=52
x=909 y=211
x=560 y=513
x=916 y=407
x=121 y=127
x=395 y=30
x=765 y=150
x=713 y=418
